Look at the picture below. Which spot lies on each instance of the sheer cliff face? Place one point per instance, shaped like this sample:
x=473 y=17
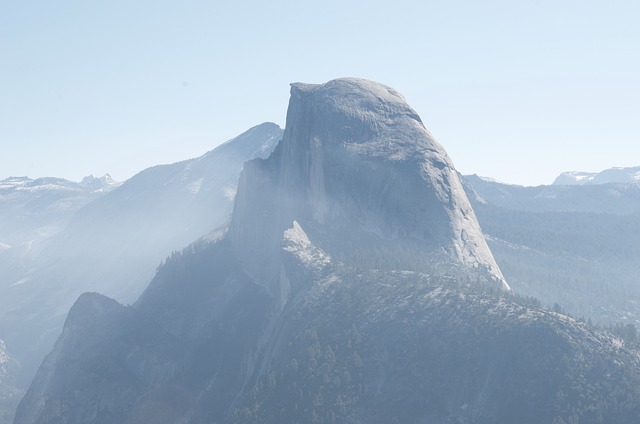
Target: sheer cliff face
x=361 y=174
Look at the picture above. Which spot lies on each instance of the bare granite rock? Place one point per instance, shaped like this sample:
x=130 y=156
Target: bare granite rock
x=363 y=176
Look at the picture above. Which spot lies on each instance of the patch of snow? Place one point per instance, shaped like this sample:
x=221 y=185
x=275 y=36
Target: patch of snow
x=230 y=192
x=44 y=187
x=194 y=186
x=581 y=176
x=491 y=180
x=13 y=183
x=20 y=282
x=611 y=175
x=574 y=178
x=103 y=183
x=267 y=145
x=217 y=234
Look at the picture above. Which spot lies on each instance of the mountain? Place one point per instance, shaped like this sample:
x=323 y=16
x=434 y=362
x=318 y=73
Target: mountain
x=205 y=344
x=576 y=246
x=114 y=243
x=32 y=211
x=161 y=209
x=352 y=285
x=611 y=175
x=614 y=198
x=365 y=179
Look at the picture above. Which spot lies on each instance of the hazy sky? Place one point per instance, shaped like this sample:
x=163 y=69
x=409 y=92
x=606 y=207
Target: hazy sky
x=515 y=90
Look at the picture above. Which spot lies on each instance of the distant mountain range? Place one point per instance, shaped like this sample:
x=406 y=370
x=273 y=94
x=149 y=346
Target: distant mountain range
x=611 y=175
x=32 y=211
x=612 y=198
x=577 y=246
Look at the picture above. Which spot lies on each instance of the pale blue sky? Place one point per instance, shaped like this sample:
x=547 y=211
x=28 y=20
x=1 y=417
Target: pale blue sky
x=515 y=90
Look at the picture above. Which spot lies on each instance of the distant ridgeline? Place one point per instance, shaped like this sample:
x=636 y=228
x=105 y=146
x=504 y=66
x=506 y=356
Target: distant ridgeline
x=575 y=245
x=611 y=175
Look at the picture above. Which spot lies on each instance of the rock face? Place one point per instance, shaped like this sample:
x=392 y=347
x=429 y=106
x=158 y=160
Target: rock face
x=364 y=178
x=331 y=298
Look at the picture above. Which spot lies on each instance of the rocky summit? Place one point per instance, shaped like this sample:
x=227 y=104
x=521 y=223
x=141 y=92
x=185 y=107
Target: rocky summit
x=364 y=178
x=353 y=285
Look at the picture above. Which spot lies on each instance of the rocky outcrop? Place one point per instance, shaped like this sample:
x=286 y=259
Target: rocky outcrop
x=364 y=178
x=89 y=327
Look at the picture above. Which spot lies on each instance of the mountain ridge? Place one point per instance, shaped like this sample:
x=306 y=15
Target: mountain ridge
x=574 y=246
x=627 y=175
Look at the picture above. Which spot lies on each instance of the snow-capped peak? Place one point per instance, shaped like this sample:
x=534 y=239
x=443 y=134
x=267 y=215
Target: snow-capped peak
x=104 y=183
x=611 y=175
